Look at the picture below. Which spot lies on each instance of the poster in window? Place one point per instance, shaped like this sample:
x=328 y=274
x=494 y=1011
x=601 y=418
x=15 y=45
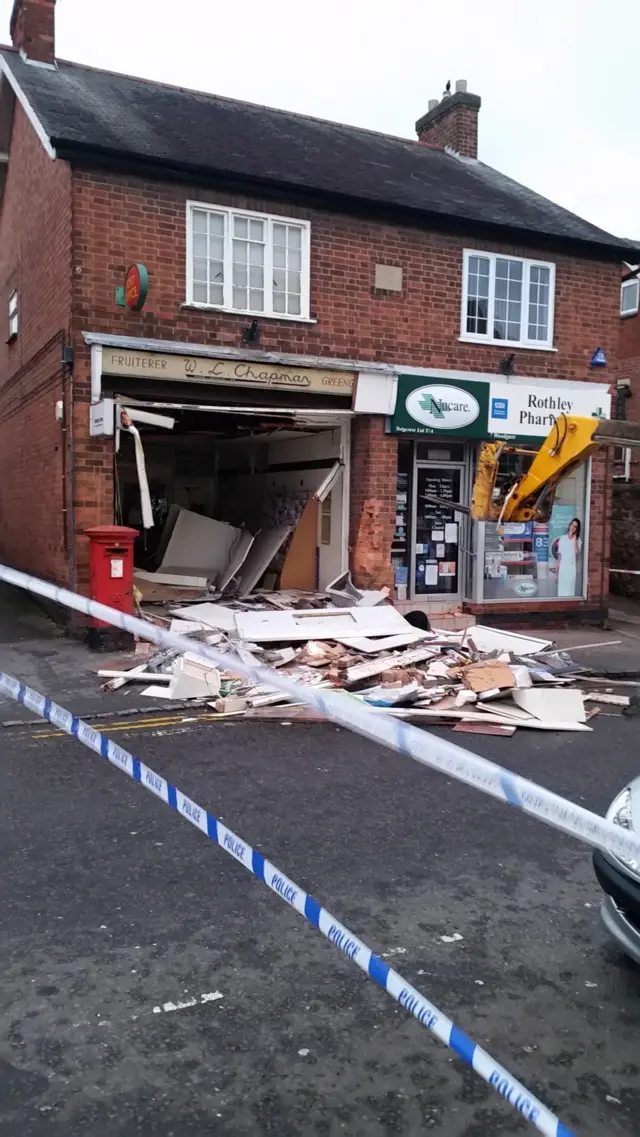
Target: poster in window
x=565 y=547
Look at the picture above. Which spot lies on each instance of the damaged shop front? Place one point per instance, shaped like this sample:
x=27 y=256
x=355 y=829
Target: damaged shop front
x=442 y=560
x=235 y=472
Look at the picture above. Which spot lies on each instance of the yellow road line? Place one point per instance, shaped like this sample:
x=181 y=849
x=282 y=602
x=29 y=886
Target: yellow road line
x=131 y=724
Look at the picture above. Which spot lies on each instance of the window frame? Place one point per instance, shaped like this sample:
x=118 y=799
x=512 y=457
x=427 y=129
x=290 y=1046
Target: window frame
x=634 y=282
x=271 y=219
x=14 y=315
x=528 y=263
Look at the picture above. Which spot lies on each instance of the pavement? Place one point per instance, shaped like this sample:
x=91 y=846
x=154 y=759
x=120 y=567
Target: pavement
x=36 y=650
x=116 y=912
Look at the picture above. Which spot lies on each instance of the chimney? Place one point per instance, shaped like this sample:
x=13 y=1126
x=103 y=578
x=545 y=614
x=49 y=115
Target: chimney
x=33 y=25
x=452 y=122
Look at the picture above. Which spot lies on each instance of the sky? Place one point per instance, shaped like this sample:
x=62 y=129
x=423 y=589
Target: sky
x=558 y=79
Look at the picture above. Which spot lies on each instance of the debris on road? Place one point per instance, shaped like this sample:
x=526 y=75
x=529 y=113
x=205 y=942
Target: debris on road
x=478 y=681
x=606 y=697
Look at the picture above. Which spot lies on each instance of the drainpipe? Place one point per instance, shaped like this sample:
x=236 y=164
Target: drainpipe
x=71 y=515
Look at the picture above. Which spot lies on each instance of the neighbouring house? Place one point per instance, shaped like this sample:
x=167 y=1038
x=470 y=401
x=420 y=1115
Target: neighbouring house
x=628 y=369
x=298 y=296
x=625 y=524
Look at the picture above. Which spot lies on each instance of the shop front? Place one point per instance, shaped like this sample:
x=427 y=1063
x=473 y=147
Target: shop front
x=261 y=448
x=441 y=559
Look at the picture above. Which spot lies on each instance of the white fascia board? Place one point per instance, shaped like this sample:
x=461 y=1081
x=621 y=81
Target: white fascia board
x=27 y=108
x=217 y=351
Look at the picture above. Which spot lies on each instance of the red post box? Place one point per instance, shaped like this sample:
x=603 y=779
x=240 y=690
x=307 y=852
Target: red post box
x=111 y=567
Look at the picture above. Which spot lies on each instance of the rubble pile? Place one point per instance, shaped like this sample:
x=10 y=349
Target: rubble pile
x=481 y=680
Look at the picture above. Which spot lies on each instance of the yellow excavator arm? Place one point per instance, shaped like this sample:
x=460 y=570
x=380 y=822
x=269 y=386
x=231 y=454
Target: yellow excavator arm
x=570 y=442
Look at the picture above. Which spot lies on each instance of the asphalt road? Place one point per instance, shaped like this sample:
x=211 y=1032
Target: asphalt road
x=112 y=906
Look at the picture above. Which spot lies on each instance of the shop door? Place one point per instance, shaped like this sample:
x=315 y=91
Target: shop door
x=438 y=532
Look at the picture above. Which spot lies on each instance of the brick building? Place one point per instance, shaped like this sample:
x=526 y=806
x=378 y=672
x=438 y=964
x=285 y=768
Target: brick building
x=625 y=517
x=628 y=369
x=320 y=298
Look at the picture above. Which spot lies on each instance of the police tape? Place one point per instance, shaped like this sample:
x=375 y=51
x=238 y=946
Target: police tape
x=427 y=749
x=524 y=1102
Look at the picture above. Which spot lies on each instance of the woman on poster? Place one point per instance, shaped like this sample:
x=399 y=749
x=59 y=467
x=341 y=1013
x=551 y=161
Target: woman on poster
x=568 y=549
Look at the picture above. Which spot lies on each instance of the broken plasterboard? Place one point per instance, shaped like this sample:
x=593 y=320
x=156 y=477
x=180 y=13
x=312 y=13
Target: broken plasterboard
x=239 y=553
x=187 y=627
x=470 y=716
x=551 y=705
x=607 y=697
x=366 y=646
x=172 y=580
x=387 y=663
x=323 y=624
x=167 y=530
x=505 y=709
x=199 y=545
x=266 y=546
x=496 y=639
x=135 y=675
x=343 y=593
x=194 y=678
x=211 y=615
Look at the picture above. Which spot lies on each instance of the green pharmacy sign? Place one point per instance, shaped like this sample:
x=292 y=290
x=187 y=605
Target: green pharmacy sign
x=456 y=407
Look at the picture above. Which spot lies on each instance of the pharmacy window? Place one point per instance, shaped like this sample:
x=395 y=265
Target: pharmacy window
x=14 y=316
x=507 y=300
x=540 y=560
x=247 y=262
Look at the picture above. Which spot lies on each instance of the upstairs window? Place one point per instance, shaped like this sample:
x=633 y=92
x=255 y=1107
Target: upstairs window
x=507 y=300
x=630 y=297
x=14 y=316
x=253 y=263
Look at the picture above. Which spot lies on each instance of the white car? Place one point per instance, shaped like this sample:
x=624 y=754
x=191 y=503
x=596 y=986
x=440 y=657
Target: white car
x=620 y=879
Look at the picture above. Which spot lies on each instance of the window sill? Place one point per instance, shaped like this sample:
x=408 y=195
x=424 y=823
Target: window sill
x=250 y=315
x=527 y=600
x=627 y=315
x=482 y=340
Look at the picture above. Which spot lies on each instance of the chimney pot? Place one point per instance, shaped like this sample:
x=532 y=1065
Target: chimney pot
x=33 y=27
x=452 y=122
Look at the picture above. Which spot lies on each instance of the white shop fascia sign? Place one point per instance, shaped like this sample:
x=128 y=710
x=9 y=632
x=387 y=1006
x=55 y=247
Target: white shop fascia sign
x=528 y=410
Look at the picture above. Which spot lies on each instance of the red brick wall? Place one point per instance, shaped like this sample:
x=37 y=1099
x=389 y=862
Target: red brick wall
x=35 y=259
x=33 y=28
x=120 y=220
x=630 y=338
x=457 y=129
x=374 y=459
